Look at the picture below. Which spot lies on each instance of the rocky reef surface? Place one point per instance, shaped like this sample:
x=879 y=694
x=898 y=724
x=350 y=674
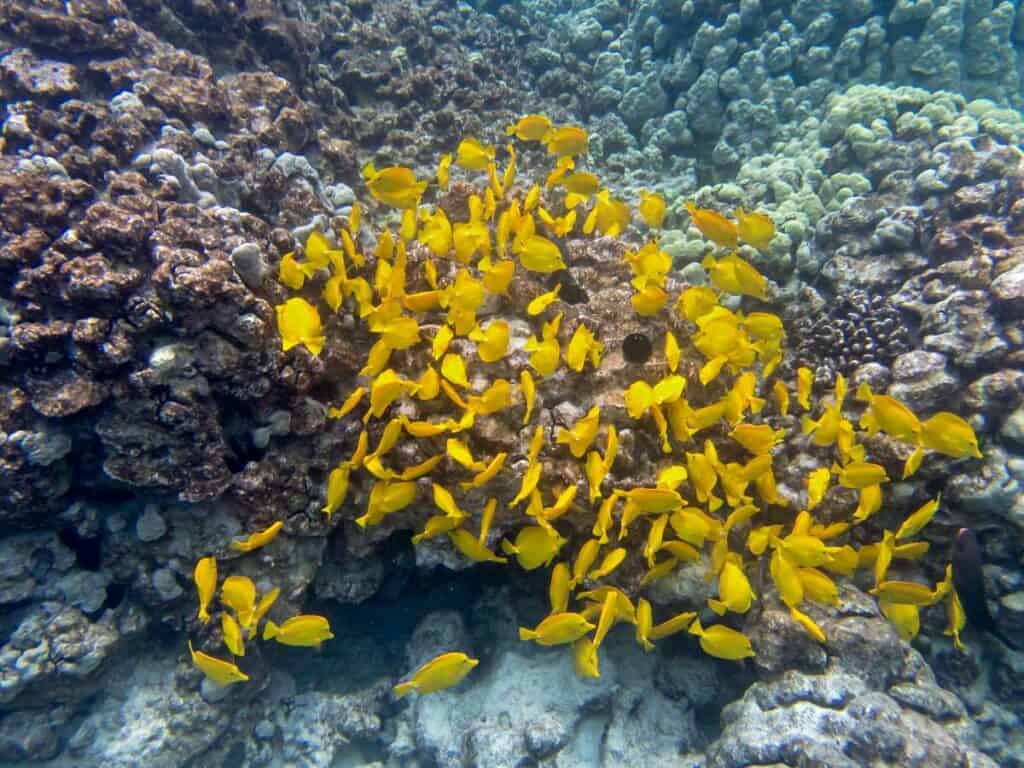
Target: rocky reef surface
x=158 y=158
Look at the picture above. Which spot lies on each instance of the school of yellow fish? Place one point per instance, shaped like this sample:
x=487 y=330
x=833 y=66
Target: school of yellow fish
x=725 y=514
x=241 y=614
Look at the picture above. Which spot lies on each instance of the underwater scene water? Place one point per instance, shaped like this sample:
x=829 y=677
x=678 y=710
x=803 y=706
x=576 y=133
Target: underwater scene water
x=508 y=384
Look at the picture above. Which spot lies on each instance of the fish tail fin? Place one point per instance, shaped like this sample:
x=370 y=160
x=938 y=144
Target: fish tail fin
x=527 y=634
x=203 y=615
x=696 y=628
x=510 y=130
x=369 y=170
x=808 y=425
x=404 y=689
x=708 y=262
x=508 y=547
x=270 y=630
x=717 y=606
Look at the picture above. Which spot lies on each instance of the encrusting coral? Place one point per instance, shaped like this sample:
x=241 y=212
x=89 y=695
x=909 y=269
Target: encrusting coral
x=437 y=381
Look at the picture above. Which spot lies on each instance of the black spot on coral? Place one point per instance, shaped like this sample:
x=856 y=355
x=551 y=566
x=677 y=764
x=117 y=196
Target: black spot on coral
x=636 y=348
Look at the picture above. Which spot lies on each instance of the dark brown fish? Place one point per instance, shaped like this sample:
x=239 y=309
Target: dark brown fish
x=969 y=582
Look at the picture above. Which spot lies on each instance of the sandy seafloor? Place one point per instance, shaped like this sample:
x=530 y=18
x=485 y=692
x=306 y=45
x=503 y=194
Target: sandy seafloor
x=158 y=160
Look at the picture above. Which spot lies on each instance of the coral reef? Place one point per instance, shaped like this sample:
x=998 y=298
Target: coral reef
x=158 y=158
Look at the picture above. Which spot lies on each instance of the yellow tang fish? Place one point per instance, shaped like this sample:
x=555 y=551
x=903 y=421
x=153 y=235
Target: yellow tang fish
x=205 y=577
x=337 y=488
x=232 y=634
x=714 y=226
x=530 y=128
x=652 y=208
x=219 y=671
x=557 y=629
x=472 y=155
x=755 y=229
x=394 y=186
x=904 y=592
x=534 y=546
x=298 y=322
x=306 y=630
x=538 y=254
x=558 y=588
x=722 y=642
x=734 y=591
x=492 y=341
x=809 y=625
x=950 y=435
x=584 y=658
x=918 y=520
x=567 y=141
x=672 y=626
x=441 y=672
x=581 y=434
x=470 y=546
x=906 y=618
x=258 y=539
x=239 y=594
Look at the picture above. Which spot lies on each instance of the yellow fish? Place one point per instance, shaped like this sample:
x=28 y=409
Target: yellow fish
x=492 y=341
x=734 y=591
x=581 y=434
x=755 y=229
x=735 y=275
x=860 y=474
x=950 y=435
x=558 y=588
x=809 y=625
x=584 y=658
x=453 y=368
x=470 y=546
x=757 y=438
x=652 y=208
x=232 y=634
x=918 y=520
x=906 y=618
x=530 y=128
x=305 y=630
x=534 y=546
x=904 y=592
x=239 y=594
x=610 y=562
x=259 y=539
x=298 y=322
x=205 y=577
x=538 y=254
x=567 y=141
x=444 y=165
x=557 y=629
x=889 y=415
x=542 y=302
x=385 y=499
x=337 y=488
x=714 y=226
x=672 y=626
x=441 y=672
x=394 y=186
x=609 y=216
x=722 y=642
x=219 y=671
x=472 y=155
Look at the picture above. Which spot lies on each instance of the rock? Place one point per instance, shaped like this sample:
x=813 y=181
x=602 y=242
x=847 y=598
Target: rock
x=922 y=381
x=40 y=77
x=1008 y=293
x=53 y=655
x=250 y=265
x=150 y=526
x=1013 y=427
